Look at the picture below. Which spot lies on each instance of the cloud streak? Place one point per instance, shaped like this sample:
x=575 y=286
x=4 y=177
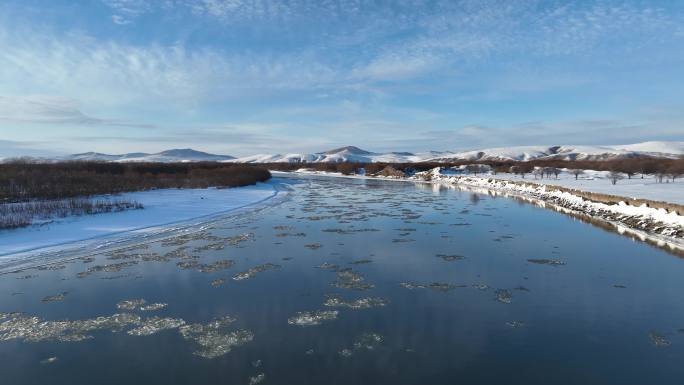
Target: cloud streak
x=340 y=70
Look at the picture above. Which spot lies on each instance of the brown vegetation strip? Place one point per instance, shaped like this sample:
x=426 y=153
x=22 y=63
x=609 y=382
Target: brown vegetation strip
x=23 y=181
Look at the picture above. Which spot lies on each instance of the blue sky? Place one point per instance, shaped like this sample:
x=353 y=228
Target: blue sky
x=241 y=77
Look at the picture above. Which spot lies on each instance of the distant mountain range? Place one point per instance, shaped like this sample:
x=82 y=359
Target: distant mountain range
x=175 y=155
x=355 y=154
x=519 y=153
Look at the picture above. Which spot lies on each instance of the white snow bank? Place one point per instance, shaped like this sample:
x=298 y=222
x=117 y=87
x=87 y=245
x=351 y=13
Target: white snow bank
x=162 y=207
x=624 y=211
x=598 y=182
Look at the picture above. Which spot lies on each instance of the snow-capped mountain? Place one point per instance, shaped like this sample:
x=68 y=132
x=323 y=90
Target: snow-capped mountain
x=175 y=155
x=342 y=154
x=522 y=153
x=518 y=153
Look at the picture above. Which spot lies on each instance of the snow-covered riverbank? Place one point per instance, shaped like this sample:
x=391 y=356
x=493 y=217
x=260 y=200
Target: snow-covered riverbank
x=162 y=207
x=599 y=182
x=647 y=223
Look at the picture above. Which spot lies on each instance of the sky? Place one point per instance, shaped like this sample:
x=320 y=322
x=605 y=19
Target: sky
x=242 y=77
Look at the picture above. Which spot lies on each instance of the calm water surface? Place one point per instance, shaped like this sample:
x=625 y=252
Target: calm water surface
x=430 y=286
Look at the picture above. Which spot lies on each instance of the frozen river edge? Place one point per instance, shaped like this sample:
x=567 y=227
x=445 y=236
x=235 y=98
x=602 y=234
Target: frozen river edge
x=167 y=212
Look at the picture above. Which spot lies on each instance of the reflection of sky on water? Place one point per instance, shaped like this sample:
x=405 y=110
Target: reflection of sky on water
x=570 y=322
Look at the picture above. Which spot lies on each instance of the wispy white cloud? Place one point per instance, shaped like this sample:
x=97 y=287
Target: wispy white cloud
x=53 y=110
x=125 y=11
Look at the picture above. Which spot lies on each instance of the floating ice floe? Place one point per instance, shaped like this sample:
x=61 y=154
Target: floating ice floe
x=55 y=298
x=543 y=261
x=49 y=360
x=156 y=324
x=258 y=379
x=154 y=306
x=412 y=285
x=441 y=286
x=361 y=261
x=206 y=267
x=307 y=318
x=218 y=282
x=349 y=279
x=130 y=304
x=437 y=286
x=658 y=339
x=503 y=296
x=34 y=329
x=451 y=258
x=367 y=341
x=216 y=266
x=361 y=303
x=213 y=338
x=254 y=271
x=52 y=267
x=328 y=266
x=515 y=324
x=111 y=268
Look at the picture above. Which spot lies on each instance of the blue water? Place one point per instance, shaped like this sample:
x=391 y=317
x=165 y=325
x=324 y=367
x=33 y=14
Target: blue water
x=608 y=313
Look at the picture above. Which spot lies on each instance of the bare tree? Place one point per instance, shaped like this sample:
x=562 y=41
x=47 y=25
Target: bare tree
x=347 y=168
x=474 y=168
x=577 y=172
x=538 y=172
x=615 y=176
x=551 y=170
x=675 y=171
x=525 y=168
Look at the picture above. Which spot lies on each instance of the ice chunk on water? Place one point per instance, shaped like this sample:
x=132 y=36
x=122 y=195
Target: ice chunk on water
x=361 y=303
x=130 y=304
x=313 y=318
x=412 y=285
x=348 y=279
x=503 y=296
x=366 y=341
x=658 y=339
x=213 y=338
x=254 y=271
x=515 y=324
x=55 y=298
x=49 y=360
x=156 y=324
x=259 y=378
x=543 y=261
x=154 y=306
x=34 y=329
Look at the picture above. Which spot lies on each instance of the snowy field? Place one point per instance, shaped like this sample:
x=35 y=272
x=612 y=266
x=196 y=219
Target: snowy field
x=162 y=207
x=598 y=182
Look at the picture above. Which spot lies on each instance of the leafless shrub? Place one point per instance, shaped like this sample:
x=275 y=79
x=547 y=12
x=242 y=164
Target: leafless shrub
x=14 y=215
x=392 y=172
x=576 y=172
x=615 y=176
